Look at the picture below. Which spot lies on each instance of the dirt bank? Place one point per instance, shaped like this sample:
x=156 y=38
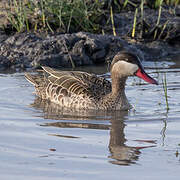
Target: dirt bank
x=19 y=51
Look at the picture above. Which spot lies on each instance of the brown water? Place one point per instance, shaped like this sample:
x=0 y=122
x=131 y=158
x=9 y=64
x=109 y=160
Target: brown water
x=40 y=142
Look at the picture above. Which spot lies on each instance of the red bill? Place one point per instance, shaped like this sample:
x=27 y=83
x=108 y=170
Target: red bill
x=143 y=75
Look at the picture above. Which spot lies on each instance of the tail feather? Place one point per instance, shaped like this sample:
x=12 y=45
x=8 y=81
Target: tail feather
x=31 y=78
x=39 y=83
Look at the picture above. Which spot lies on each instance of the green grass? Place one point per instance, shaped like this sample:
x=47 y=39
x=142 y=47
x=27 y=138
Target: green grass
x=134 y=23
x=112 y=21
x=156 y=31
x=155 y=4
x=19 y=20
x=64 y=15
x=67 y=16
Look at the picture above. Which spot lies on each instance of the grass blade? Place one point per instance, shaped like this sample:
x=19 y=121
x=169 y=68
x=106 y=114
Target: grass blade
x=112 y=21
x=164 y=82
x=134 y=24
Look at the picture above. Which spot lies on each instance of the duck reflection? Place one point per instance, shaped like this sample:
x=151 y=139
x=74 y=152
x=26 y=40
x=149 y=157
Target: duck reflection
x=120 y=153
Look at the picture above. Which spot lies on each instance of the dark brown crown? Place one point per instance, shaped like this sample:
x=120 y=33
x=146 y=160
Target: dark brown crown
x=126 y=56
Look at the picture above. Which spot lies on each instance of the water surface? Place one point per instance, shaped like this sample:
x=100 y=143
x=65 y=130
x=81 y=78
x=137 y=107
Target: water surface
x=40 y=141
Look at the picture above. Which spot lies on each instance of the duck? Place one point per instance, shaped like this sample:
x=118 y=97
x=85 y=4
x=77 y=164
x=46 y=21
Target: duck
x=83 y=90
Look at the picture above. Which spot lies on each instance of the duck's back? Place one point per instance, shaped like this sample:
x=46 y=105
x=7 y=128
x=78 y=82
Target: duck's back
x=70 y=88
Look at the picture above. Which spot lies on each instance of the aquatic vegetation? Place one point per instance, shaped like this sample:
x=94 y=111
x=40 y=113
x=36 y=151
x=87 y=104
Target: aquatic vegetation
x=177 y=153
x=164 y=82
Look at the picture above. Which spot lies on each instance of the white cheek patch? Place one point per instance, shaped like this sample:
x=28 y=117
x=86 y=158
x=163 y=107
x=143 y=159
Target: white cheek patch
x=125 y=68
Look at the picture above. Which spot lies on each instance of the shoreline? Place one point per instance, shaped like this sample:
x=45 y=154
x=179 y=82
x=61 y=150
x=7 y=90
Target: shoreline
x=20 y=51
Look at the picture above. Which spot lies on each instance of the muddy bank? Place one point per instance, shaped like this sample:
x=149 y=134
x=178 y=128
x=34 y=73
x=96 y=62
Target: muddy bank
x=22 y=51
x=28 y=50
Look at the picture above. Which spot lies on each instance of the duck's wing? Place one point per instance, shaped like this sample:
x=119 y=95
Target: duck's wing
x=77 y=82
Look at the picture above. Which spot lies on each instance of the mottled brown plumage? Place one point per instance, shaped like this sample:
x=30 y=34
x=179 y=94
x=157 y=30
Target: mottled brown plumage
x=81 y=90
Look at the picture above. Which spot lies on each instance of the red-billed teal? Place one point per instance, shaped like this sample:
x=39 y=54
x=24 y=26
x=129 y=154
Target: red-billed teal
x=82 y=90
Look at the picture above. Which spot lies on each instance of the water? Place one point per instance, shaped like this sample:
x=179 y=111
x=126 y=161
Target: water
x=38 y=141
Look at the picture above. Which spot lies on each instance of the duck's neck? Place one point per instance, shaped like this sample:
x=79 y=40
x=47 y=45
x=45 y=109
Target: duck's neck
x=116 y=100
x=118 y=85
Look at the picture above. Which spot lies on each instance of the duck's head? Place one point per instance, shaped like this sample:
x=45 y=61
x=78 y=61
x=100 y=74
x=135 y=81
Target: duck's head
x=126 y=64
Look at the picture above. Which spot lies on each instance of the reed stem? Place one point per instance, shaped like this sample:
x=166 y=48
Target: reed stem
x=164 y=82
x=112 y=21
x=134 y=24
x=158 y=20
